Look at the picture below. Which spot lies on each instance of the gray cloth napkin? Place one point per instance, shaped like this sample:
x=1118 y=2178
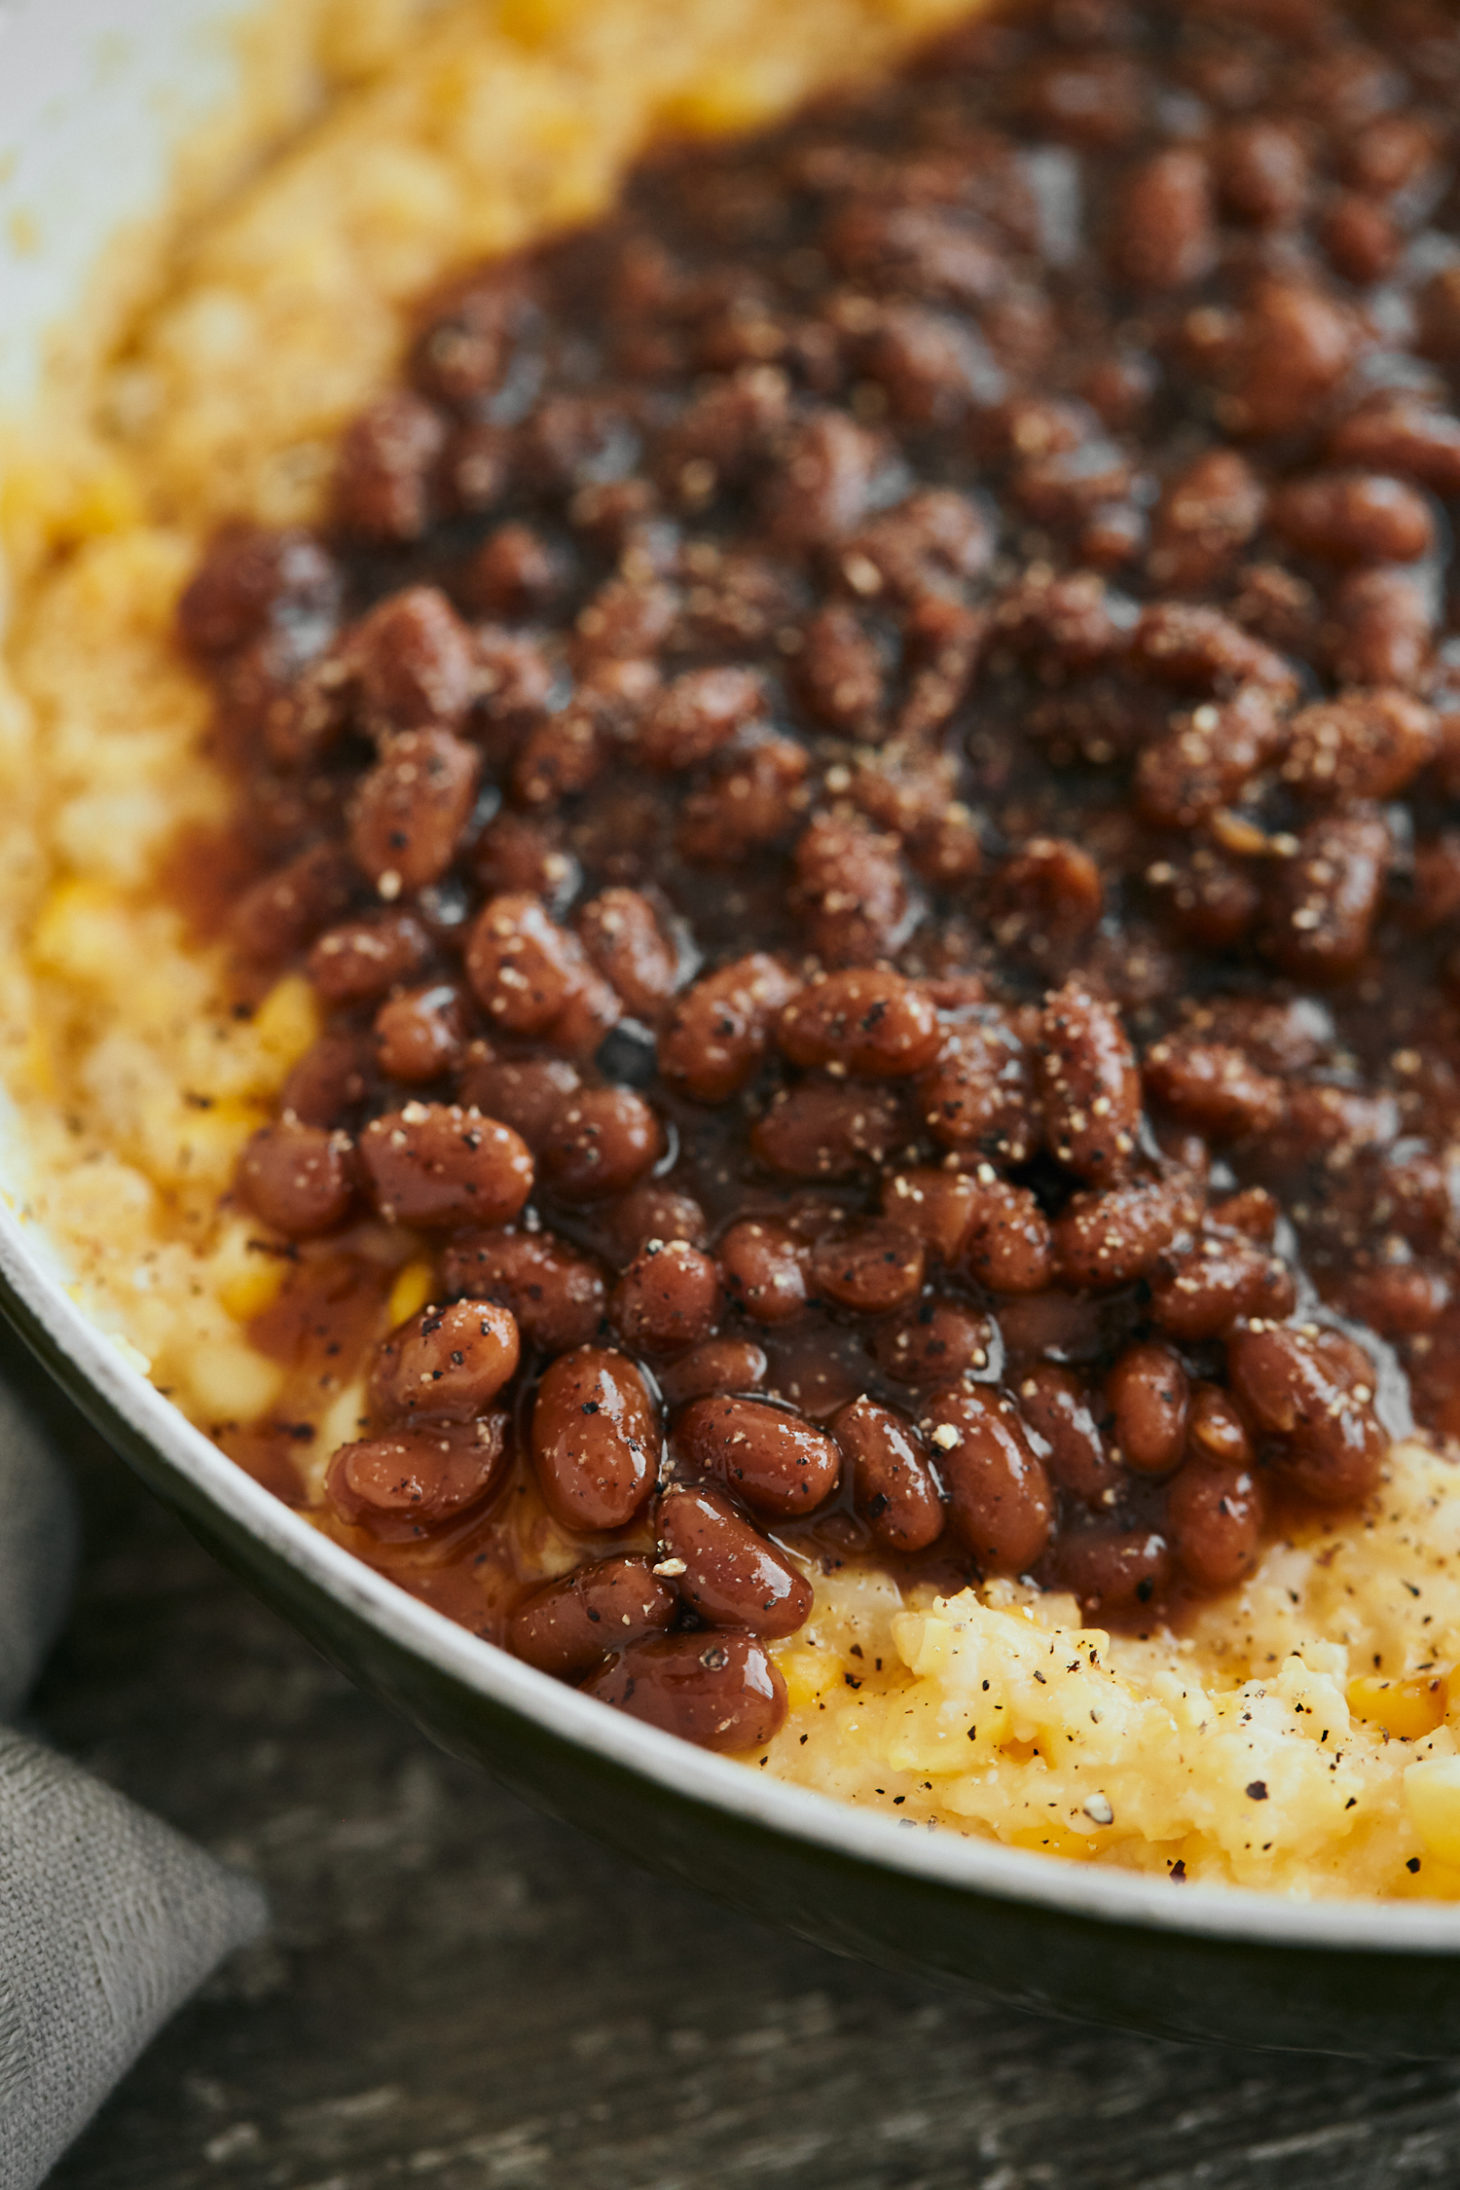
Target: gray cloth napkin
x=108 y=1918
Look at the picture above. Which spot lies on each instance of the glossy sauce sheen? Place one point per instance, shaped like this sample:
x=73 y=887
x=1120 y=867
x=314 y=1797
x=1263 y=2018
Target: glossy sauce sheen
x=868 y=778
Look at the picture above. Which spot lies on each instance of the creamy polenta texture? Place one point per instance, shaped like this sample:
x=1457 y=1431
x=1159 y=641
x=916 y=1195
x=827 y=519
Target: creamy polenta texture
x=1299 y=1735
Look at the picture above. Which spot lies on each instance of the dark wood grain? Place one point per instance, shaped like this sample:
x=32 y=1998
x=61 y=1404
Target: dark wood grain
x=461 y=1996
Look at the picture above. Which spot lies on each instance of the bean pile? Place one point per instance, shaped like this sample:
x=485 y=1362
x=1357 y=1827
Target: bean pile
x=867 y=774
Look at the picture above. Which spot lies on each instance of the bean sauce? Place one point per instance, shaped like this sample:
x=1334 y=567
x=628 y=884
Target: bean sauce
x=865 y=769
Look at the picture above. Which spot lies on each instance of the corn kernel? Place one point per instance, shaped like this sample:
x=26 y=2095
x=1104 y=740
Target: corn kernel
x=247 y=1281
x=412 y=1289
x=1432 y=1797
x=81 y=931
x=1406 y=1709
x=807 y=1673
x=286 y=1023
x=231 y=1383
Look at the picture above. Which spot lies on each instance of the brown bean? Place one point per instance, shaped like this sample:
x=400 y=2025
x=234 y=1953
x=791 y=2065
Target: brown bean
x=1114 y=1570
x=1212 y=1087
x=1216 y=1435
x=400 y=1486
x=667 y=1299
x=1214 y=1522
x=733 y=1576
x=1217 y=1281
x=777 y=1463
x=1290 y=1387
x=329 y=1082
x=595 y=1439
x=764 y=1268
x=1008 y=1245
x=1164 y=233
x=1089 y=1085
x=361 y=960
x=1000 y=1504
x=567 y=1626
x=935 y=1342
x=873 y=1267
x=851 y=891
x=718 y=1365
x=720 y=1691
x=299 y=1178
x=1149 y=1396
x=411 y=809
x=557 y=1296
x=282 y=912
x=656 y=1210
x=977 y=1095
x=601 y=1141
x=1322 y=903
x=938 y=1205
x=1104 y=1240
x=1364 y=745
x=827 y=1129
x=1347 y=517
x=446 y=1364
x=414 y=663
x=247 y=577
x=1381 y=628
x=527 y=1093
x=621 y=933
x=1057 y=1410
x=695 y=715
x=865 y=1021
x=718 y=1032
x=387 y=457
x=893 y=1487
x=420 y=1036
x=523 y=967
x=436 y=1164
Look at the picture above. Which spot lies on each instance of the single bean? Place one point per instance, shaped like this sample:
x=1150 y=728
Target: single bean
x=557 y=1296
x=361 y=960
x=436 y=1164
x=1216 y=1282
x=567 y=1626
x=1057 y=1410
x=773 y=1460
x=977 y=1096
x=716 y=1037
x=1301 y=1391
x=872 y=1267
x=1216 y=1435
x=1000 y=1503
x=866 y=1021
x=1213 y=1087
x=1149 y=1395
x=1089 y=1085
x=935 y=1342
x=420 y=1036
x=668 y=1299
x=720 y=1691
x=1114 y=1570
x=764 y=1269
x=410 y=811
x=893 y=1486
x=594 y=1438
x=719 y=1365
x=827 y=1129
x=601 y=1141
x=654 y=1210
x=522 y=966
x=1008 y=1246
x=1214 y=1522
x=1111 y=1238
x=446 y=1363
x=527 y=1093
x=938 y=1205
x=400 y=1486
x=621 y=933
x=298 y=1178
x=733 y=1576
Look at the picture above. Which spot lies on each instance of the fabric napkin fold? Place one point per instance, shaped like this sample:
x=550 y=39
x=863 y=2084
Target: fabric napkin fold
x=108 y=1918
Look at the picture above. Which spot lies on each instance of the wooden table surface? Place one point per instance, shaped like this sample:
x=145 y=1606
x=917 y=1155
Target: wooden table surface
x=459 y=1995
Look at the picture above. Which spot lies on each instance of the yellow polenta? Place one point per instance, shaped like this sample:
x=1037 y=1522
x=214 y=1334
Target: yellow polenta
x=1300 y=1734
